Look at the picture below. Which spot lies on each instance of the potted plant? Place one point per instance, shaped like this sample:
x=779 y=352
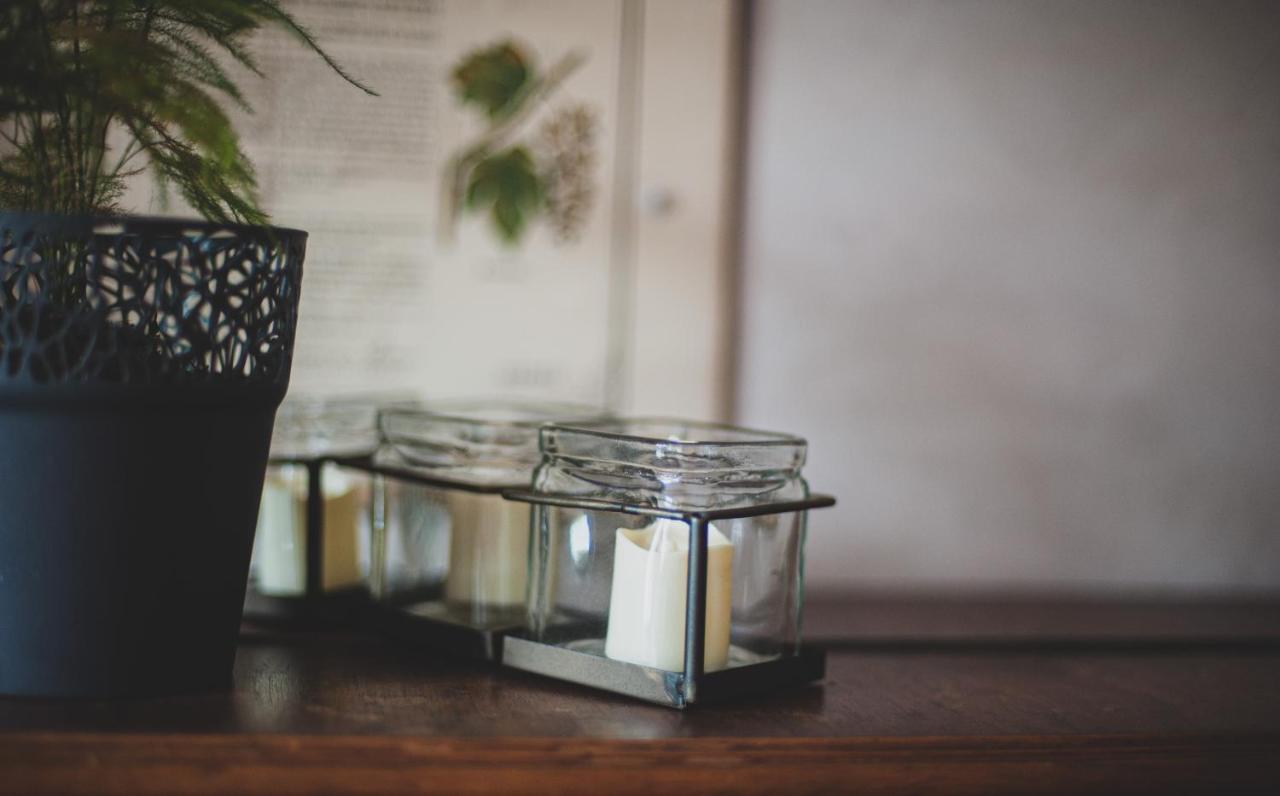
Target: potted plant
x=141 y=359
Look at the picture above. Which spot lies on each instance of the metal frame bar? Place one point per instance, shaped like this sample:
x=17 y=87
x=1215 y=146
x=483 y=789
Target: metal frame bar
x=315 y=529
x=418 y=476
x=695 y=608
x=524 y=495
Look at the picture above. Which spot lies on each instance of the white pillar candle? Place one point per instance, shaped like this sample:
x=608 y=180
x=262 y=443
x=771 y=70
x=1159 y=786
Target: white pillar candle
x=488 y=550
x=280 y=544
x=647 y=602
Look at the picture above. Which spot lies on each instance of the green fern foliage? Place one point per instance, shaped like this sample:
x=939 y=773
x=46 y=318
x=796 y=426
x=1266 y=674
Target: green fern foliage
x=78 y=74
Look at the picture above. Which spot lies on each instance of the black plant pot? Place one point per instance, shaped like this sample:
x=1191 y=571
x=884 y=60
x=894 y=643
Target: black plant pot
x=137 y=397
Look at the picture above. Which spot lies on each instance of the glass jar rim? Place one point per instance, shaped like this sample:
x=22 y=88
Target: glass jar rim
x=711 y=446
x=490 y=412
x=731 y=435
x=483 y=441
x=312 y=424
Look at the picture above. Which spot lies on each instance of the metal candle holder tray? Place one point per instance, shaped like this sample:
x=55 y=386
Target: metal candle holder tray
x=315 y=606
x=418 y=618
x=546 y=653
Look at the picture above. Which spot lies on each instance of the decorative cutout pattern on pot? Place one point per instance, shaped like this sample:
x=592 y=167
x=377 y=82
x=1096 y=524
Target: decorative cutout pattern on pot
x=146 y=300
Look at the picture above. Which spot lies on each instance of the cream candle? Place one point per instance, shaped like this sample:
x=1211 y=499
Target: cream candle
x=648 y=596
x=488 y=550
x=345 y=502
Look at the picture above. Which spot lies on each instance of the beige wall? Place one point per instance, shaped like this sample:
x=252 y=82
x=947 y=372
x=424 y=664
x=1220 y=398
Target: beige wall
x=1014 y=269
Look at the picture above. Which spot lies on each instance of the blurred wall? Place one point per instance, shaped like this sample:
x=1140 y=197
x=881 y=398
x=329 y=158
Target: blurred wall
x=1014 y=270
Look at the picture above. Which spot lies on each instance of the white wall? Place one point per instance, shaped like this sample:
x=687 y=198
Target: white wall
x=1014 y=269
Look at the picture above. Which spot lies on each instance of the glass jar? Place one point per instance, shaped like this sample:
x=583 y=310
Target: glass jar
x=633 y=518
x=311 y=538
x=448 y=550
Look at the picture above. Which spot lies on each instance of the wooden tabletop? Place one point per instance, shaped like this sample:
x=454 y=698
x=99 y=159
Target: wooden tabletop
x=999 y=695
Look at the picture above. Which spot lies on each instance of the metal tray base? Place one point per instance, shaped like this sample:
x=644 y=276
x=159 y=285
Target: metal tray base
x=656 y=685
x=457 y=639
x=330 y=610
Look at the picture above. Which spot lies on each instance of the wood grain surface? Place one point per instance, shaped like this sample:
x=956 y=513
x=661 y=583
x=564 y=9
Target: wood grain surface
x=220 y=764
x=1051 y=711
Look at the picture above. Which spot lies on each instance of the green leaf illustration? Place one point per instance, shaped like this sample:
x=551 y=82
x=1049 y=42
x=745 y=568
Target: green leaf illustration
x=494 y=79
x=507 y=184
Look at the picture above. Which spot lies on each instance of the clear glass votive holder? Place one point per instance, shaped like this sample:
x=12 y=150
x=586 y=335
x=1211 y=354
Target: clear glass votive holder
x=668 y=560
x=449 y=555
x=310 y=551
